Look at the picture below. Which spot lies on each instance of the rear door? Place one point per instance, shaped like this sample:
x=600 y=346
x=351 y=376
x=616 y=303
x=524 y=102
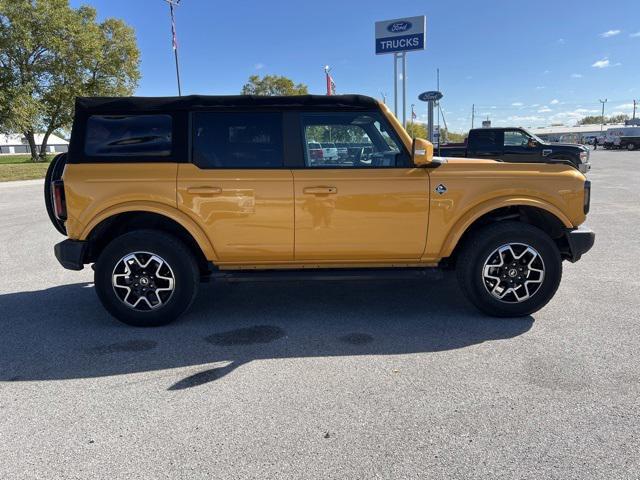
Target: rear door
x=373 y=206
x=485 y=144
x=237 y=186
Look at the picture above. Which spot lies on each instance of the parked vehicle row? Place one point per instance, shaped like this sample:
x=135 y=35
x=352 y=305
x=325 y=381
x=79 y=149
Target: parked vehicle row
x=622 y=138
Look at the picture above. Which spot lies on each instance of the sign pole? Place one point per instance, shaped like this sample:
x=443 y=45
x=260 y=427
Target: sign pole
x=398 y=37
x=404 y=89
x=395 y=85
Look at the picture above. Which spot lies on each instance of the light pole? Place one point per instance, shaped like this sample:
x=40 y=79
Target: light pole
x=174 y=39
x=602 y=117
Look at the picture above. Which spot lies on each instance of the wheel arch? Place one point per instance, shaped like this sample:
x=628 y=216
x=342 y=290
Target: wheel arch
x=125 y=218
x=535 y=212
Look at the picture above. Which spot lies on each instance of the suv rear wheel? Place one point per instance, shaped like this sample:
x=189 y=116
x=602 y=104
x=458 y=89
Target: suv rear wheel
x=510 y=269
x=146 y=278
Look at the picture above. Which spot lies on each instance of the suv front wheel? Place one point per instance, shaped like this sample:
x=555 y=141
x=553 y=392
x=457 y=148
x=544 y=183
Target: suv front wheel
x=509 y=269
x=146 y=278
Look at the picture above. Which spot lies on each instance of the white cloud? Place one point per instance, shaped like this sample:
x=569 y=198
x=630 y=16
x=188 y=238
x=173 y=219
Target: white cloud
x=525 y=119
x=546 y=72
x=561 y=41
x=517 y=104
x=576 y=75
x=604 y=63
x=625 y=105
x=555 y=101
x=635 y=35
x=610 y=33
x=259 y=66
x=539 y=87
x=545 y=109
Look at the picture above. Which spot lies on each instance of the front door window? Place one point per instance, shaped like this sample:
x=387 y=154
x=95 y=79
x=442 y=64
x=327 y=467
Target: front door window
x=351 y=140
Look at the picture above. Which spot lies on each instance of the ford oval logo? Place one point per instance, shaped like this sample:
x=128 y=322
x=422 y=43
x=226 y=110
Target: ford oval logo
x=396 y=27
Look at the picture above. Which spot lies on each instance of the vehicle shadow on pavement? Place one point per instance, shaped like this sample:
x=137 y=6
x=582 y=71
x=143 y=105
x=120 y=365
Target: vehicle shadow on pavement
x=64 y=333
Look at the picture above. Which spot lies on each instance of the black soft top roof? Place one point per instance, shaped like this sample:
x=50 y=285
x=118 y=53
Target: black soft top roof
x=195 y=102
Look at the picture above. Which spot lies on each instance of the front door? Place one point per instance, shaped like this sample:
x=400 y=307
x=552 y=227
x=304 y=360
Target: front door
x=237 y=187
x=518 y=148
x=368 y=205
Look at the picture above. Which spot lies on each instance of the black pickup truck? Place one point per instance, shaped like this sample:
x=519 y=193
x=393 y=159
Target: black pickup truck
x=516 y=145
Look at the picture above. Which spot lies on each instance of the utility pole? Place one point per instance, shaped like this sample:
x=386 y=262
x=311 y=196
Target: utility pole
x=174 y=39
x=473 y=113
x=384 y=97
x=635 y=102
x=602 y=117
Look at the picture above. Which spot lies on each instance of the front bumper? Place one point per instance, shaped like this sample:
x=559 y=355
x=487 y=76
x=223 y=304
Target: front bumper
x=580 y=241
x=71 y=254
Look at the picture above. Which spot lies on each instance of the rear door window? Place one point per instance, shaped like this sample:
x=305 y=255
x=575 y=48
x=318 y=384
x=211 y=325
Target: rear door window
x=128 y=136
x=237 y=140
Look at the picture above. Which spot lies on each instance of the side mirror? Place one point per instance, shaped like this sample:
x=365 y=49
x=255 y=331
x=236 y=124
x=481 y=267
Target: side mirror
x=422 y=152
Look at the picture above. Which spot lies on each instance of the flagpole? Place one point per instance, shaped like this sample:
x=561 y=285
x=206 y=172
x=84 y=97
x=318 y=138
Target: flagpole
x=174 y=40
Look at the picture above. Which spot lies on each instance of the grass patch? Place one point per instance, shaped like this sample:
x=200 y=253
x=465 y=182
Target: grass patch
x=20 y=167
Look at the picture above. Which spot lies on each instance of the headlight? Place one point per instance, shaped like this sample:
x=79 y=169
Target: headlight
x=584 y=156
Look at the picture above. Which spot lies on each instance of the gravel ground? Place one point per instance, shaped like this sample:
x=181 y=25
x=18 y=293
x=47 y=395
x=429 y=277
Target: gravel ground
x=385 y=379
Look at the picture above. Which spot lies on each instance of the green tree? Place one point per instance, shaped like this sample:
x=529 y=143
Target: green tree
x=597 y=119
x=452 y=137
x=49 y=54
x=591 y=120
x=273 y=85
x=618 y=118
x=416 y=130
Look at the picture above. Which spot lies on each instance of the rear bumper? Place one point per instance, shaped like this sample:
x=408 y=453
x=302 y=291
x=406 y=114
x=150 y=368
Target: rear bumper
x=71 y=254
x=580 y=241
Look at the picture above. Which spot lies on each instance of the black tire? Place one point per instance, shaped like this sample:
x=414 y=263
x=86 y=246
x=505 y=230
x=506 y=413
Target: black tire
x=177 y=257
x=483 y=244
x=54 y=172
x=631 y=146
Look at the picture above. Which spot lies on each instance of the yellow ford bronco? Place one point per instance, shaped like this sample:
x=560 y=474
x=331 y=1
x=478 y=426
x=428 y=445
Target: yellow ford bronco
x=161 y=193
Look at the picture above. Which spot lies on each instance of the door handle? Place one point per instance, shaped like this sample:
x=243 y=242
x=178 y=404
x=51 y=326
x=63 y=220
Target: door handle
x=204 y=190
x=320 y=190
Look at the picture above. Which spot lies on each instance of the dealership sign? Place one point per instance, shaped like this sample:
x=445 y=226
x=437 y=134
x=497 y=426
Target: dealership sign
x=401 y=35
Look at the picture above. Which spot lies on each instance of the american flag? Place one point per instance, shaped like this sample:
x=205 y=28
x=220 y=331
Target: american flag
x=174 y=38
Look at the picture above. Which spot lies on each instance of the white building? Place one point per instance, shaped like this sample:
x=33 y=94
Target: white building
x=575 y=134
x=18 y=144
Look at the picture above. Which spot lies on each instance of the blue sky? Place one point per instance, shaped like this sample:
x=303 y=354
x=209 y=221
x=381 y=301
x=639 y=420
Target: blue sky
x=521 y=63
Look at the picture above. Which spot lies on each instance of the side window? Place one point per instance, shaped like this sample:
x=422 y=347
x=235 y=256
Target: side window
x=485 y=139
x=128 y=136
x=515 y=138
x=237 y=140
x=351 y=140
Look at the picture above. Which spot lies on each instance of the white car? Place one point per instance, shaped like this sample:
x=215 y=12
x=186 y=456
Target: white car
x=329 y=151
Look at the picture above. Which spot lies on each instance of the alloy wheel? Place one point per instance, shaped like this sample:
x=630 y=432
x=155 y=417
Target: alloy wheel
x=513 y=272
x=143 y=281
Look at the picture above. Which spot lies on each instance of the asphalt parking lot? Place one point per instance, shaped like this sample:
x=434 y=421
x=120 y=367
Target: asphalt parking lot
x=385 y=379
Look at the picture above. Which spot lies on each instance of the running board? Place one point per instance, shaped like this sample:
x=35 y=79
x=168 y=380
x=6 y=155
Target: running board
x=430 y=273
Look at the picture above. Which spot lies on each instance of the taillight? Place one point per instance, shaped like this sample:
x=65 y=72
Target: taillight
x=587 y=196
x=59 y=201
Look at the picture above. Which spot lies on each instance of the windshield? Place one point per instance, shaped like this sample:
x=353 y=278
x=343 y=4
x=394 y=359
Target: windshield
x=534 y=136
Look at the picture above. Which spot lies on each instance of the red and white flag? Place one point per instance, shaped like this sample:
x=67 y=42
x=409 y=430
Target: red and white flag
x=331 y=86
x=174 y=38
